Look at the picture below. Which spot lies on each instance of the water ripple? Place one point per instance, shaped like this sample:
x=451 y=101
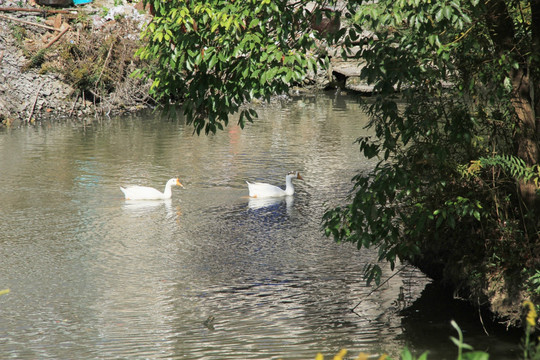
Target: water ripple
x=208 y=274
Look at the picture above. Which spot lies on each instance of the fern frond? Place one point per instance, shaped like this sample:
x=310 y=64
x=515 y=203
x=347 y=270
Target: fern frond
x=513 y=166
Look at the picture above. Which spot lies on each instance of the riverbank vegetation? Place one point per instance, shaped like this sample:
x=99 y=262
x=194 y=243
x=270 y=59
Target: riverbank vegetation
x=455 y=93
x=456 y=192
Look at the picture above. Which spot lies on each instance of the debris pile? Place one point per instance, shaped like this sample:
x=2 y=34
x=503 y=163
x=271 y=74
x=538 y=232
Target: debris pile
x=69 y=61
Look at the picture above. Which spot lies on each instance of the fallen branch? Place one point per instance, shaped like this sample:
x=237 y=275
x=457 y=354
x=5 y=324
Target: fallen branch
x=57 y=37
x=105 y=63
x=74 y=103
x=38 y=10
x=34 y=105
x=377 y=288
x=28 y=23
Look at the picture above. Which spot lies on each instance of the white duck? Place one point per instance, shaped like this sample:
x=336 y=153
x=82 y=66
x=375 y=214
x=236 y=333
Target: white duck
x=148 y=193
x=262 y=190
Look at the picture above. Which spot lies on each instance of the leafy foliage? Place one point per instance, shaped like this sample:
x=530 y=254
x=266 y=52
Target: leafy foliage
x=447 y=173
x=514 y=166
x=215 y=56
x=534 y=282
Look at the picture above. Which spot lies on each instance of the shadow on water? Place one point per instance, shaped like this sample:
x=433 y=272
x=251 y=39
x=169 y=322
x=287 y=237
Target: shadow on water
x=426 y=326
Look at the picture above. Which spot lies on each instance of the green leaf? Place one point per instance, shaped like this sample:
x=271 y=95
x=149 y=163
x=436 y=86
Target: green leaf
x=451 y=221
x=406 y=354
x=439 y=222
x=439 y=15
x=212 y=62
x=288 y=77
x=447 y=11
x=476 y=355
x=253 y=23
x=455 y=341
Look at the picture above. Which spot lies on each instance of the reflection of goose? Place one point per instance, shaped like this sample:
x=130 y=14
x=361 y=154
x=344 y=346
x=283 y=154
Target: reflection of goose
x=146 y=205
x=260 y=203
x=257 y=203
x=148 y=193
x=261 y=190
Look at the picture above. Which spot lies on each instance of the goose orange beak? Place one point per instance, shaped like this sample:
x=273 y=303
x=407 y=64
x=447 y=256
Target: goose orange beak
x=178 y=183
x=299 y=177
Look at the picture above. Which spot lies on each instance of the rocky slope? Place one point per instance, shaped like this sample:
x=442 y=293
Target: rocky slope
x=43 y=53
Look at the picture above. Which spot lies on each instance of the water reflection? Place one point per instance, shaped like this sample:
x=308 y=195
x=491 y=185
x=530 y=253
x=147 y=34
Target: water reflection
x=272 y=203
x=142 y=206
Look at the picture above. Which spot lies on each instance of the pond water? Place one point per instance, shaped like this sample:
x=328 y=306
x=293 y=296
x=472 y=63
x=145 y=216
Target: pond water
x=210 y=273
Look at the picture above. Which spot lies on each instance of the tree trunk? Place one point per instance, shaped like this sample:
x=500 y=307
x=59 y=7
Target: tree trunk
x=525 y=137
x=535 y=61
x=501 y=29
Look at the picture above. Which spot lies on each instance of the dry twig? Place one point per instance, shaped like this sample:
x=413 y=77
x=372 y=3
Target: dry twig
x=28 y=22
x=49 y=11
x=34 y=104
x=57 y=37
x=106 y=61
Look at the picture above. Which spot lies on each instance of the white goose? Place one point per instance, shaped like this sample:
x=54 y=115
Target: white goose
x=262 y=190
x=148 y=193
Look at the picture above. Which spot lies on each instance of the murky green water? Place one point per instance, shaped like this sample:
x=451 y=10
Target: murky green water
x=209 y=274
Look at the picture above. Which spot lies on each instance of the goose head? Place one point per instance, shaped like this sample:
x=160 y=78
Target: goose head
x=175 y=181
x=294 y=175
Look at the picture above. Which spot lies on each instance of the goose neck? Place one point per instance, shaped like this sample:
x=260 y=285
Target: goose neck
x=289 y=188
x=168 y=191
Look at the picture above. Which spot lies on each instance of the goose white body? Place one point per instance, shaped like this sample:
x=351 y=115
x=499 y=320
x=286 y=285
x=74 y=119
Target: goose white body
x=149 y=193
x=262 y=190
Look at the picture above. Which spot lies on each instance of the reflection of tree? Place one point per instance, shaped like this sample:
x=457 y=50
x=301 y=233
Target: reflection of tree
x=426 y=324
